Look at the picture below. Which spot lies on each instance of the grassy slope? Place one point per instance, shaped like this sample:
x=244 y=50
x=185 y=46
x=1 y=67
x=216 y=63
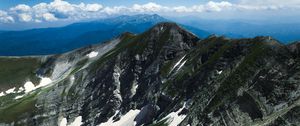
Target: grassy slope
x=14 y=72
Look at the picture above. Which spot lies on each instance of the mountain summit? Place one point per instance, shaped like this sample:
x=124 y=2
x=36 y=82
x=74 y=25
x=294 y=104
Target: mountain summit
x=163 y=76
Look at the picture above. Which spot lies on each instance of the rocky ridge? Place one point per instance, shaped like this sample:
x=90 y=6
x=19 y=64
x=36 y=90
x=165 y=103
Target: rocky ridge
x=164 y=76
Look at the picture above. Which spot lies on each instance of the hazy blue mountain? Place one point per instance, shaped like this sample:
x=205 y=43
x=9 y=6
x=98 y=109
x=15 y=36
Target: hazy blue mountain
x=284 y=32
x=58 y=40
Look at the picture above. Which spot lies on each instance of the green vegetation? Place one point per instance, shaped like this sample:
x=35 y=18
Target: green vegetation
x=238 y=78
x=166 y=68
x=15 y=71
x=192 y=67
x=16 y=110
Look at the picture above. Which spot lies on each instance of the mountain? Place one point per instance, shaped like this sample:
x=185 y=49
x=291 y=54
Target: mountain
x=59 y=40
x=163 y=76
x=284 y=32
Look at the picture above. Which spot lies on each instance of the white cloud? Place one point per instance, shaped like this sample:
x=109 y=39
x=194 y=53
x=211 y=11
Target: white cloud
x=63 y=10
x=218 y=6
x=21 y=8
x=93 y=7
x=49 y=17
x=5 y=18
x=61 y=6
x=24 y=17
x=149 y=7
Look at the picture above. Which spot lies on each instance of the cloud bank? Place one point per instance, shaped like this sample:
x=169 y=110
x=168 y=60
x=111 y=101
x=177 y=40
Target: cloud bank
x=63 y=10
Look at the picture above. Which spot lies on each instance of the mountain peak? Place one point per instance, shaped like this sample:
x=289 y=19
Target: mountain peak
x=172 y=28
x=167 y=25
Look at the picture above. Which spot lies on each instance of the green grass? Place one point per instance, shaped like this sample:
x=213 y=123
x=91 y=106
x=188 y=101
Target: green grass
x=238 y=78
x=192 y=67
x=14 y=72
x=166 y=68
x=16 y=110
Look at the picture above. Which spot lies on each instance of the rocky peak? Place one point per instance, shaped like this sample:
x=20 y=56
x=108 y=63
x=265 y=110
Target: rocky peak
x=169 y=31
x=166 y=40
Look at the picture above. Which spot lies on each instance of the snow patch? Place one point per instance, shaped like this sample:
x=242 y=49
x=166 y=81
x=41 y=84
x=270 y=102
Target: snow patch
x=92 y=54
x=133 y=89
x=179 y=63
x=72 y=79
x=2 y=94
x=18 y=97
x=29 y=86
x=161 y=28
x=174 y=119
x=10 y=90
x=77 y=121
x=21 y=89
x=219 y=72
x=125 y=120
x=45 y=81
x=63 y=122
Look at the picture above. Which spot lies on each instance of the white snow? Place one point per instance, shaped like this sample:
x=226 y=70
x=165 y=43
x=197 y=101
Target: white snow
x=125 y=120
x=181 y=65
x=219 y=72
x=29 y=86
x=173 y=119
x=72 y=79
x=63 y=122
x=134 y=87
x=45 y=81
x=18 y=97
x=92 y=54
x=178 y=63
x=77 y=121
x=2 y=94
x=10 y=90
x=161 y=28
x=20 y=89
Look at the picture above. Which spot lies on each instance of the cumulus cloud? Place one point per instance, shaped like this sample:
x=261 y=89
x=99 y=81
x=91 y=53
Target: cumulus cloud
x=21 y=8
x=93 y=7
x=24 y=17
x=63 y=10
x=149 y=7
x=49 y=17
x=5 y=18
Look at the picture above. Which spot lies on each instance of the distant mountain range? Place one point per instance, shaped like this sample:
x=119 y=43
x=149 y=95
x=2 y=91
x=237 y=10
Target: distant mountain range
x=58 y=40
x=284 y=32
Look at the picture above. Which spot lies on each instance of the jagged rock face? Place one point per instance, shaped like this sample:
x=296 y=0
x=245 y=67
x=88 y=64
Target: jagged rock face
x=165 y=76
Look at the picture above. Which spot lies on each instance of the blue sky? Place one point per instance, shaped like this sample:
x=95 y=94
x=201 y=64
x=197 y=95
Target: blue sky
x=24 y=12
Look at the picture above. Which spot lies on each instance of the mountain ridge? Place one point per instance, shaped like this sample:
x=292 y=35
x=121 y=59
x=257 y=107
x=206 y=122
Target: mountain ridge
x=164 y=76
